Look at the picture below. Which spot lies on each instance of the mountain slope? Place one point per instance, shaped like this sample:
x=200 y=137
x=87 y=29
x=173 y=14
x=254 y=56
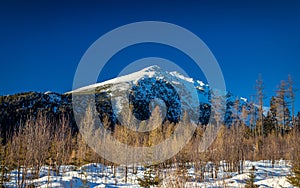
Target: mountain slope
x=176 y=92
x=141 y=90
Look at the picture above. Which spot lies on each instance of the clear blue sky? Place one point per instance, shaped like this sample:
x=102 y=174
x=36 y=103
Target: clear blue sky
x=42 y=42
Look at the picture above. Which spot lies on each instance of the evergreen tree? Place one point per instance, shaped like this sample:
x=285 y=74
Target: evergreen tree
x=287 y=119
x=291 y=96
x=260 y=97
x=281 y=105
x=250 y=182
x=269 y=124
x=294 y=179
x=150 y=178
x=273 y=114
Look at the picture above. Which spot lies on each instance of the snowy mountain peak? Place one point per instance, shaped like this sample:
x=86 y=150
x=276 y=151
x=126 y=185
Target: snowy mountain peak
x=149 y=72
x=174 y=89
x=152 y=68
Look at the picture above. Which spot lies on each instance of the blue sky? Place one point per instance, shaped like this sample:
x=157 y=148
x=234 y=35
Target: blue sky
x=42 y=42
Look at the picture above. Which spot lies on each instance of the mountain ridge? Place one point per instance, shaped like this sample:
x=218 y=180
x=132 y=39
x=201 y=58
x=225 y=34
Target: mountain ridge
x=139 y=88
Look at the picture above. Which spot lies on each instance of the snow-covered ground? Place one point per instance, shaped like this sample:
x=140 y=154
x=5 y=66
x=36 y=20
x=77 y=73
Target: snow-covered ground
x=266 y=176
x=97 y=175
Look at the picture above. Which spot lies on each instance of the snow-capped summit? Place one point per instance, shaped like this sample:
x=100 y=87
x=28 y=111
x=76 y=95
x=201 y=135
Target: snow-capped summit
x=178 y=92
x=152 y=68
x=148 y=72
x=141 y=87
